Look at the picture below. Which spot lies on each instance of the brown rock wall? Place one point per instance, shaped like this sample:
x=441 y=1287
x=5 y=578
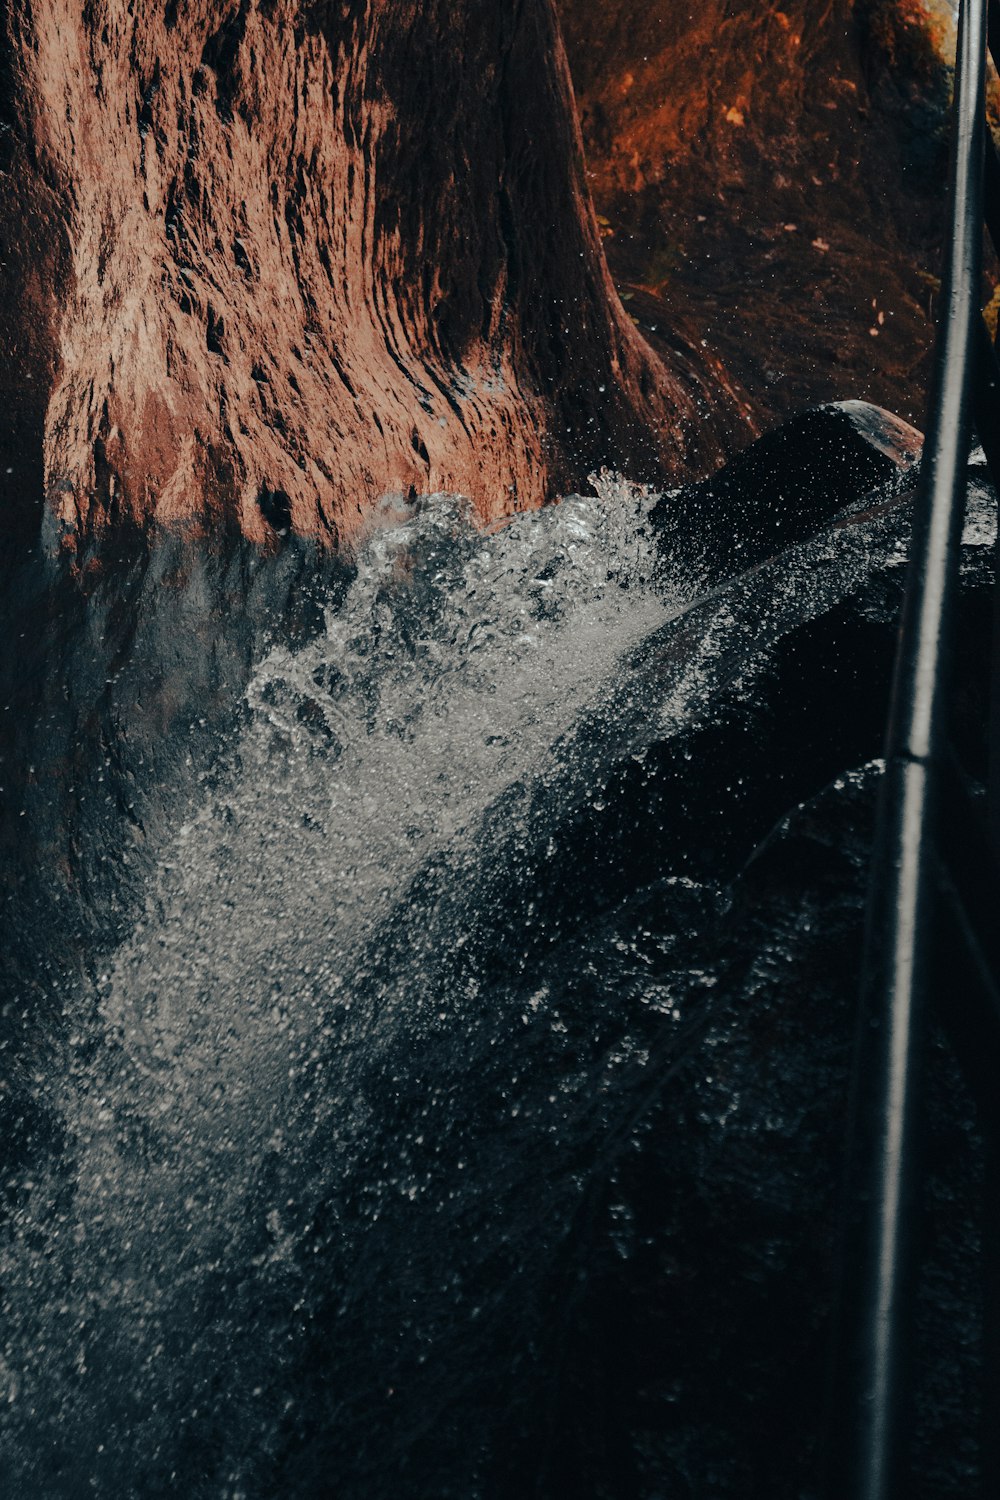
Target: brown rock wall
x=695 y=84
x=771 y=178
x=314 y=251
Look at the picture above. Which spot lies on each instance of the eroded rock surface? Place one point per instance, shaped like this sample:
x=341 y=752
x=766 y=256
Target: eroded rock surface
x=628 y=1144
x=274 y=258
x=770 y=176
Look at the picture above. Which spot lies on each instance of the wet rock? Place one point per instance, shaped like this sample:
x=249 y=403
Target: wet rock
x=551 y=1203
x=624 y=1285
x=698 y=1342
x=785 y=487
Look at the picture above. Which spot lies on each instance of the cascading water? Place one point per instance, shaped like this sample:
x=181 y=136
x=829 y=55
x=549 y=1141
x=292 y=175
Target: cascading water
x=212 y=1097
x=406 y=982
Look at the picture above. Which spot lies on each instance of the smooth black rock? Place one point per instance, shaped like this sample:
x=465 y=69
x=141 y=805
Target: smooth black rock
x=784 y=488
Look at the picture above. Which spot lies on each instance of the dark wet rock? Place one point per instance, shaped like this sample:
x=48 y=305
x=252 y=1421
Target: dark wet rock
x=783 y=488
x=698 y=1344
x=557 y=1214
x=628 y=1149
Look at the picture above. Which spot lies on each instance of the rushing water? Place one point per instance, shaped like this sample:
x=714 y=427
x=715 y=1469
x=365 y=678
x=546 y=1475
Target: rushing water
x=219 y=1087
x=331 y=1111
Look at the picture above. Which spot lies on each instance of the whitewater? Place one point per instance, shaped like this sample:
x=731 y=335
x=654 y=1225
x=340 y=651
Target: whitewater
x=407 y=976
x=213 y=1092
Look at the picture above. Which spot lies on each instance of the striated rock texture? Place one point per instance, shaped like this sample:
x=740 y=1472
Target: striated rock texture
x=770 y=177
x=267 y=260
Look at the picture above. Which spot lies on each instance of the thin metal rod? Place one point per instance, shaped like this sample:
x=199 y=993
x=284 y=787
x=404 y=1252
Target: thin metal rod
x=869 y=1410
x=988 y=423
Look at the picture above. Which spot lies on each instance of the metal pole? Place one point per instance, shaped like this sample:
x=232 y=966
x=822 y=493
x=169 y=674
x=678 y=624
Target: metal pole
x=869 y=1407
x=988 y=423
x=989 y=428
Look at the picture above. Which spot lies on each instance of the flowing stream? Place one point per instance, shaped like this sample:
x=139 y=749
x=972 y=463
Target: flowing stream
x=223 y=1085
x=332 y=1110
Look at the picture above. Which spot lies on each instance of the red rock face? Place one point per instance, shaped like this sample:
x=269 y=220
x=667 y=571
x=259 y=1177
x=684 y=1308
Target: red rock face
x=771 y=178
x=267 y=260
